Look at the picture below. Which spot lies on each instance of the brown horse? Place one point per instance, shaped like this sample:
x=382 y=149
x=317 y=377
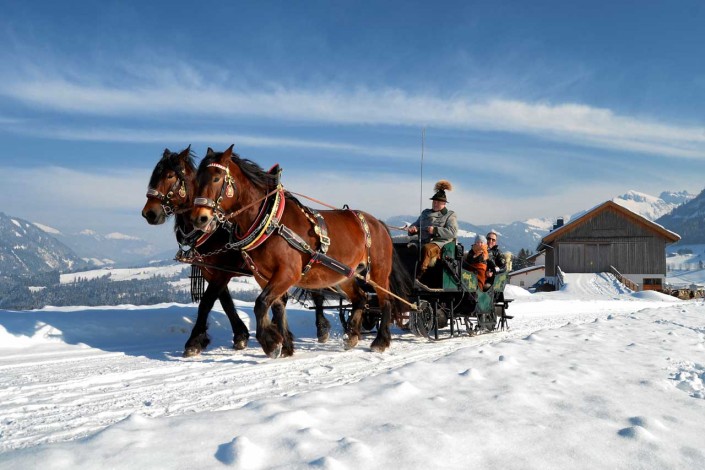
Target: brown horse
x=277 y=246
x=171 y=191
x=172 y=187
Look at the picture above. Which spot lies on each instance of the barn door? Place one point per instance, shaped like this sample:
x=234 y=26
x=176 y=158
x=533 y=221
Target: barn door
x=597 y=257
x=592 y=254
x=604 y=257
x=571 y=257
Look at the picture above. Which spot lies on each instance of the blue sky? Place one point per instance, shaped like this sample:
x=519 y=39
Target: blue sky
x=531 y=109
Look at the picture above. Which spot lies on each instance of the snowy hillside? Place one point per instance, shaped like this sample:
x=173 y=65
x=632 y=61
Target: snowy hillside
x=652 y=207
x=106 y=388
x=111 y=249
x=177 y=272
x=688 y=220
x=27 y=250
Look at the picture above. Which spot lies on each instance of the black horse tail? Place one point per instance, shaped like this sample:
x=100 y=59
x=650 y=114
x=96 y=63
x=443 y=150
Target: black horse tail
x=400 y=284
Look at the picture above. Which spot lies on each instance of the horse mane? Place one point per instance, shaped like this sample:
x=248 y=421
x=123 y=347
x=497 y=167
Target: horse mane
x=170 y=162
x=252 y=171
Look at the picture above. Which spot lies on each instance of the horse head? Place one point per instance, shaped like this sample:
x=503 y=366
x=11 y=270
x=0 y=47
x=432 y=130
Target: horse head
x=171 y=186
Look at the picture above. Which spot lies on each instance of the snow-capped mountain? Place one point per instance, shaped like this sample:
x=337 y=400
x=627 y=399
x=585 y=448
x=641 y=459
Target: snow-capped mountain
x=653 y=207
x=677 y=197
x=512 y=237
x=26 y=249
x=112 y=249
x=527 y=234
x=688 y=220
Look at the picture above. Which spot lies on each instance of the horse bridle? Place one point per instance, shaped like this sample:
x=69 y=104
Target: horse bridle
x=166 y=199
x=226 y=190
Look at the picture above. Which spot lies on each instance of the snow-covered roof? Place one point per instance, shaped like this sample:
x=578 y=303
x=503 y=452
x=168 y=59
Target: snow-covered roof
x=672 y=237
x=526 y=270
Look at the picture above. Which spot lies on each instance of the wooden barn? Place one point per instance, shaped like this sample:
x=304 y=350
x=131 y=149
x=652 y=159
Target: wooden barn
x=610 y=238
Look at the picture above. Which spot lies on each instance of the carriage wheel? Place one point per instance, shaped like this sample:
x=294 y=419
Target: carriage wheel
x=421 y=320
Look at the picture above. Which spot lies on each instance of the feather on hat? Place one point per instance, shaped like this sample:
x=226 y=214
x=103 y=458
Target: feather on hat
x=441 y=187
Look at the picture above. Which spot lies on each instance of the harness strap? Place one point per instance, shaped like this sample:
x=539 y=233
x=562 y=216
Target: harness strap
x=321 y=229
x=317 y=257
x=251 y=264
x=165 y=199
x=293 y=239
x=368 y=240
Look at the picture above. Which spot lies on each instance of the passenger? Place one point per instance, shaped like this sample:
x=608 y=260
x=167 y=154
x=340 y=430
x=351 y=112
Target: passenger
x=496 y=262
x=476 y=260
x=437 y=226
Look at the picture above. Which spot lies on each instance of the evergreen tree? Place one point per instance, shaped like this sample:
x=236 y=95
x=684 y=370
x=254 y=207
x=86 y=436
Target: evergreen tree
x=520 y=260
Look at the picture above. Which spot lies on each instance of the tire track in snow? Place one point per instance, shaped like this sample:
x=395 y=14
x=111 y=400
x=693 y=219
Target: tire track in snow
x=56 y=397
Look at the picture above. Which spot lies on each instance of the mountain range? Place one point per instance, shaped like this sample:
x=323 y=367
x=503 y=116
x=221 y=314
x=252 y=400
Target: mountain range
x=27 y=247
x=528 y=234
x=687 y=220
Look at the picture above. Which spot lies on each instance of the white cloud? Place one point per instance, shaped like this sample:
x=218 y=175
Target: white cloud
x=388 y=195
x=565 y=122
x=70 y=192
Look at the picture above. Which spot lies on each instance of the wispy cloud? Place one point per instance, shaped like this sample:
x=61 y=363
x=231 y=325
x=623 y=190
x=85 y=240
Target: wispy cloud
x=72 y=200
x=404 y=196
x=565 y=122
x=61 y=189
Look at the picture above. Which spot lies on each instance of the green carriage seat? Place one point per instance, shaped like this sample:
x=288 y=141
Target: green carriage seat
x=485 y=299
x=448 y=251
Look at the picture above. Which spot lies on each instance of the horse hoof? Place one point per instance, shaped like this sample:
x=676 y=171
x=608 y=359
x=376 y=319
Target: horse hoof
x=323 y=338
x=276 y=352
x=240 y=345
x=349 y=342
x=192 y=351
x=378 y=347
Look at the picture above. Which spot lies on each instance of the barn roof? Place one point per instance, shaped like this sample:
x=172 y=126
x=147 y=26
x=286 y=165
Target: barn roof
x=526 y=270
x=671 y=237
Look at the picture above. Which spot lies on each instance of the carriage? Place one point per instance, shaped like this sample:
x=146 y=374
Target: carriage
x=449 y=300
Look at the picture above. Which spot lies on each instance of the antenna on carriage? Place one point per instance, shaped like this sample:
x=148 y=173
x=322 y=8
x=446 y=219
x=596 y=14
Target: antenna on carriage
x=423 y=139
x=423 y=142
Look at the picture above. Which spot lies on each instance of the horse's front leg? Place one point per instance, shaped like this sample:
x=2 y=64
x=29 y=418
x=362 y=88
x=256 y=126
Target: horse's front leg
x=199 y=339
x=240 y=333
x=268 y=335
x=322 y=323
x=282 y=324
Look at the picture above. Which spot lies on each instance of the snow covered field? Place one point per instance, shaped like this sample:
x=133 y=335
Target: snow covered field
x=592 y=376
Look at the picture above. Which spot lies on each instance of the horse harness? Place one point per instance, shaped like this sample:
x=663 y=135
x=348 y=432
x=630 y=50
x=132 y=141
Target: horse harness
x=166 y=199
x=268 y=221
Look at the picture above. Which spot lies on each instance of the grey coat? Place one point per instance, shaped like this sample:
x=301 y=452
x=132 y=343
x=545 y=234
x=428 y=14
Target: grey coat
x=445 y=223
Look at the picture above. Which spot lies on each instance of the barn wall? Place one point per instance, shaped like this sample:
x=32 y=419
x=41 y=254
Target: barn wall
x=607 y=239
x=550 y=262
